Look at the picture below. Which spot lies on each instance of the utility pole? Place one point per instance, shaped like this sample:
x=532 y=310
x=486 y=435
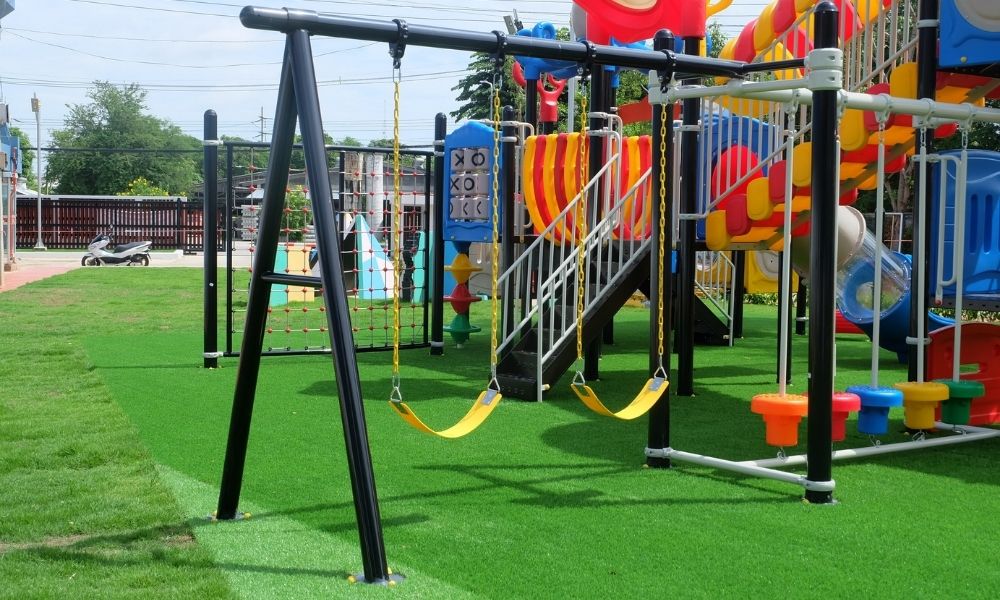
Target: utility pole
x=36 y=107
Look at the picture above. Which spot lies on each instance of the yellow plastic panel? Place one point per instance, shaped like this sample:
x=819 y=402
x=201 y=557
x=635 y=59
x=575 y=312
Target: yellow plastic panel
x=759 y=204
x=853 y=135
x=802 y=164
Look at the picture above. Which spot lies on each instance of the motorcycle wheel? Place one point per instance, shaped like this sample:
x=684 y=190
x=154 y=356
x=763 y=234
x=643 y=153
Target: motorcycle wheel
x=144 y=260
x=90 y=261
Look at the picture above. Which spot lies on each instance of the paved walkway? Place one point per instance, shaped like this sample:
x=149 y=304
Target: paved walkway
x=27 y=273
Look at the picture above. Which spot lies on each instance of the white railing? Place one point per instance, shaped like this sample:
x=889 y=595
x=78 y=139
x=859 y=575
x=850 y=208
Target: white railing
x=549 y=304
x=714 y=277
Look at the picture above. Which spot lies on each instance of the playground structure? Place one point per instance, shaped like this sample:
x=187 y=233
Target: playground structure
x=754 y=160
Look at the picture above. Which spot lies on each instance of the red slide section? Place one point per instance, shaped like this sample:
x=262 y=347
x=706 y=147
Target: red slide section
x=981 y=347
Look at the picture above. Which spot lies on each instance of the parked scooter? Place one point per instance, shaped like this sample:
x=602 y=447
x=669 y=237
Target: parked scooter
x=98 y=253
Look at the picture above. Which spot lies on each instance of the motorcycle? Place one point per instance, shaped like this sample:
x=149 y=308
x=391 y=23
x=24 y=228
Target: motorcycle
x=98 y=253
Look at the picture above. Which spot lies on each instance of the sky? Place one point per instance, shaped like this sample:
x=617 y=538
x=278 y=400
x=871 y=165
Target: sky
x=192 y=55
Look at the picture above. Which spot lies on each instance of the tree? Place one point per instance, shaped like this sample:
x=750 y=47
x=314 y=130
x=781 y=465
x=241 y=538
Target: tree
x=115 y=121
x=477 y=93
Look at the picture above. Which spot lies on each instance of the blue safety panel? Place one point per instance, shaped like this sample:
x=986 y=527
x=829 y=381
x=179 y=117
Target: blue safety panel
x=468 y=184
x=969 y=35
x=982 y=229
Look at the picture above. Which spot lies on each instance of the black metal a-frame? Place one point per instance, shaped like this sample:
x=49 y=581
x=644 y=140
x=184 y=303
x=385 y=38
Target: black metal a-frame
x=298 y=100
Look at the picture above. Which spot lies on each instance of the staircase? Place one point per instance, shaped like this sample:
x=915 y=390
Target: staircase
x=547 y=348
x=538 y=341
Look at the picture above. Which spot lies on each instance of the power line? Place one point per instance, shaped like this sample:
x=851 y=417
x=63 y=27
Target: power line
x=181 y=66
x=143 y=40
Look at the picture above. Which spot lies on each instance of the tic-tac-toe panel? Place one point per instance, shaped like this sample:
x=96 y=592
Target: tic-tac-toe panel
x=468 y=176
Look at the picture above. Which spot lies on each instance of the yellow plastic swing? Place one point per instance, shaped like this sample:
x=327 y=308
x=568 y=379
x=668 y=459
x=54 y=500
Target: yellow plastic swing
x=491 y=396
x=656 y=385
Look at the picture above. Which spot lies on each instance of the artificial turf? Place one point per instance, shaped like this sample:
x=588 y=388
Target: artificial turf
x=545 y=500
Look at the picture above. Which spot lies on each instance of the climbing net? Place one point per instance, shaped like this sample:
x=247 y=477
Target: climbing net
x=362 y=182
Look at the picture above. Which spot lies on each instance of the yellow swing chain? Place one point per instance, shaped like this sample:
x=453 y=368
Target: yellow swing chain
x=495 y=267
x=655 y=387
x=661 y=243
x=580 y=233
x=397 y=256
x=490 y=398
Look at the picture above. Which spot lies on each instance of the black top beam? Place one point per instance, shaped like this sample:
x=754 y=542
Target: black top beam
x=666 y=61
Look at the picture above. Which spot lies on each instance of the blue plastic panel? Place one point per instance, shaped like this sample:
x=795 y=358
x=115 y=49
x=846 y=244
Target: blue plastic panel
x=970 y=33
x=982 y=230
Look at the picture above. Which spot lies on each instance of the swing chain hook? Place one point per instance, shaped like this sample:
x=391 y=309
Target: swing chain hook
x=965 y=127
x=579 y=379
x=584 y=68
x=398 y=48
x=660 y=371
x=396 y=395
x=499 y=57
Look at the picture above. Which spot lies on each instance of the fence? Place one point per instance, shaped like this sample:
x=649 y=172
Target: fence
x=71 y=222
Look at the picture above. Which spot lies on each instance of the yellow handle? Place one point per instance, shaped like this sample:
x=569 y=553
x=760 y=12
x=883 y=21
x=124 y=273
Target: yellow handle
x=717 y=7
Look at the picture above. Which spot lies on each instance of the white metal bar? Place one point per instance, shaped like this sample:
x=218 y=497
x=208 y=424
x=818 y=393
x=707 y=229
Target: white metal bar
x=740 y=467
x=964 y=434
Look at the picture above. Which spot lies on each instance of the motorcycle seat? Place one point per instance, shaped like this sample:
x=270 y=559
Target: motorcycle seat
x=123 y=247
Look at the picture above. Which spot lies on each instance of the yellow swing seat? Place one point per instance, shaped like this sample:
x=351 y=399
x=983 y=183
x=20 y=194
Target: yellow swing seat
x=487 y=401
x=639 y=406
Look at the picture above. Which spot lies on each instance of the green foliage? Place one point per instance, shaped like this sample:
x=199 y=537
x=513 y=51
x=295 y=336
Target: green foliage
x=717 y=38
x=296 y=214
x=761 y=298
x=475 y=91
x=405 y=160
x=115 y=118
x=27 y=157
x=140 y=186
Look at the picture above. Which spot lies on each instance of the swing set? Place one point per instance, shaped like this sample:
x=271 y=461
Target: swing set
x=490 y=398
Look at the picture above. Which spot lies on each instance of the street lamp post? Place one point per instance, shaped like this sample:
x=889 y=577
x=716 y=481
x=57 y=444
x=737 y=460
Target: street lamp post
x=36 y=107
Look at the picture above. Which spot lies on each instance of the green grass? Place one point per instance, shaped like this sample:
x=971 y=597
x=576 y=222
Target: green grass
x=544 y=501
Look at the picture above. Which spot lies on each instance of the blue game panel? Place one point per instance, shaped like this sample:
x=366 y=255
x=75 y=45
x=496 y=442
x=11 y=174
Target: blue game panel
x=468 y=179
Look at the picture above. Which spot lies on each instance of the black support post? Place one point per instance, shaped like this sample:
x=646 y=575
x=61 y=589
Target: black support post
x=210 y=238
x=686 y=247
x=507 y=216
x=739 y=290
x=338 y=313
x=801 y=304
x=822 y=271
x=531 y=102
x=437 y=255
x=269 y=225
x=658 y=437
x=598 y=97
x=927 y=36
